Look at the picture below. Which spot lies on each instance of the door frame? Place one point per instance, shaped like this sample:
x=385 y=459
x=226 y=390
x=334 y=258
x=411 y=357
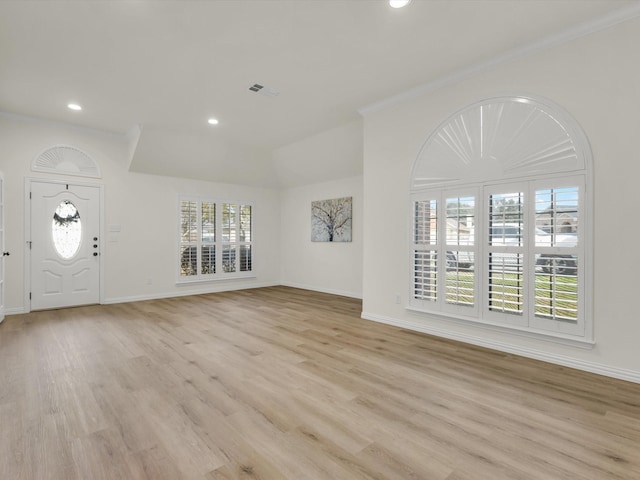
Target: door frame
x=27 y=233
x=3 y=246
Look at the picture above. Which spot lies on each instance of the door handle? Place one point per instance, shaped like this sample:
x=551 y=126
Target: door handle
x=95 y=254
x=5 y=254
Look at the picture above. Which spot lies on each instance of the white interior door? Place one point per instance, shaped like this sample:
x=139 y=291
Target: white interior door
x=4 y=254
x=65 y=245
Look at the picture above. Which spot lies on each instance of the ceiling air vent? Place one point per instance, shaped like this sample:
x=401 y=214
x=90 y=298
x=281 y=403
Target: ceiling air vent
x=264 y=91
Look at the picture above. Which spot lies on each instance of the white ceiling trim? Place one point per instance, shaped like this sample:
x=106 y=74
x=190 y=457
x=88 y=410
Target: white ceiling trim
x=584 y=29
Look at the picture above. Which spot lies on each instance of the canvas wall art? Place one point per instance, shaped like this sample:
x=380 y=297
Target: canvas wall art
x=331 y=220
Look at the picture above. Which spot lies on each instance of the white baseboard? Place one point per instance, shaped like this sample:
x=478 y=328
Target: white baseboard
x=614 y=372
x=342 y=293
x=186 y=293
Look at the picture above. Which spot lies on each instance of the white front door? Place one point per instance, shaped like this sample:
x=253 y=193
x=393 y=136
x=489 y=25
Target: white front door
x=65 y=245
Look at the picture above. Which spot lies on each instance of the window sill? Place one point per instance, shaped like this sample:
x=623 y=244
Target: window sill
x=564 y=339
x=210 y=279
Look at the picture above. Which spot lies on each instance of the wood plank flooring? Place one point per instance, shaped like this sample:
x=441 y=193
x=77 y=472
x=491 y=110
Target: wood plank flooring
x=280 y=383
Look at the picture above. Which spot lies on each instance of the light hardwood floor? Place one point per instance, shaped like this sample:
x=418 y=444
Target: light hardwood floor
x=280 y=383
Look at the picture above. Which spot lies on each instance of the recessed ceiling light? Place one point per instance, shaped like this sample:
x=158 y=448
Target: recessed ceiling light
x=74 y=106
x=399 y=3
x=213 y=121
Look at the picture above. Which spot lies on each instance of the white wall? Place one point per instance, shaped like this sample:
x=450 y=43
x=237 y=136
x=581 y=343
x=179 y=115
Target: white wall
x=144 y=206
x=335 y=153
x=322 y=266
x=597 y=81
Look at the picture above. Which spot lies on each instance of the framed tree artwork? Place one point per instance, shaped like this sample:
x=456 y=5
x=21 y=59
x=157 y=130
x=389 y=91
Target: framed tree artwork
x=331 y=220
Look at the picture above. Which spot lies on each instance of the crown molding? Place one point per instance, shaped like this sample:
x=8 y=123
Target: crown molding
x=607 y=21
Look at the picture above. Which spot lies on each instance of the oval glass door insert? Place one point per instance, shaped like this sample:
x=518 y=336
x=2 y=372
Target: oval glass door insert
x=66 y=228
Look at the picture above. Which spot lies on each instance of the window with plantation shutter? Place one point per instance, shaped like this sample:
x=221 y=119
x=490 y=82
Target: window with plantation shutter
x=506 y=252
x=189 y=233
x=244 y=240
x=460 y=250
x=425 y=254
x=216 y=240
x=501 y=221
x=445 y=251
x=558 y=255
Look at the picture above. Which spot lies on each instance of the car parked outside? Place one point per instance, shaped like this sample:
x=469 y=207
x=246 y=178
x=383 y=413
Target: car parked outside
x=512 y=234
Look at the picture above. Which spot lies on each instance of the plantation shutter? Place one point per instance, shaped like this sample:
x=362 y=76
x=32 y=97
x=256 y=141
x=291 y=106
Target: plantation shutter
x=425 y=250
x=460 y=250
x=216 y=239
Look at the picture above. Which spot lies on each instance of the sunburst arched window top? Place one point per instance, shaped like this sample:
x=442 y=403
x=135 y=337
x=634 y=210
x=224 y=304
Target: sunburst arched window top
x=501 y=138
x=66 y=160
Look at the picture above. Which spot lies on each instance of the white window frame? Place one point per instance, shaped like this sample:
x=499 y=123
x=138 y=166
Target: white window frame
x=219 y=242
x=426 y=304
x=516 y=320
x=442 y=249
x=446 y=248
x=480 y=312
x=466 y=154
x=538 y=322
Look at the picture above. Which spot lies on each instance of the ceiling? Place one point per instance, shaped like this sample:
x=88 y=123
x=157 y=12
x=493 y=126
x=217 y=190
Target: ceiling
x=155 y=71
